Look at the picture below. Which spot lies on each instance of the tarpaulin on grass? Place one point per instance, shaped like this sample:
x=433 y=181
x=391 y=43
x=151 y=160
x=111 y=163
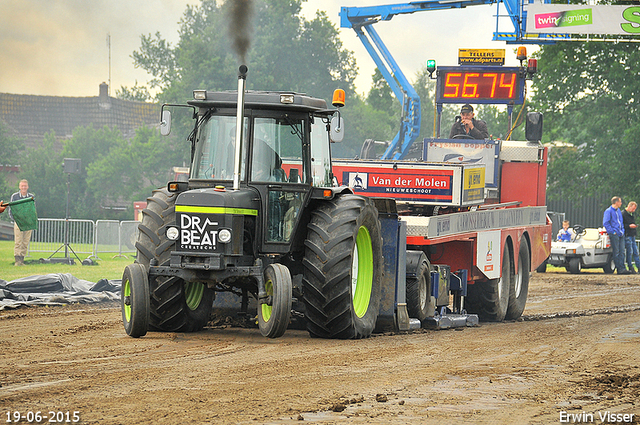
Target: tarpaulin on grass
x=56 y=289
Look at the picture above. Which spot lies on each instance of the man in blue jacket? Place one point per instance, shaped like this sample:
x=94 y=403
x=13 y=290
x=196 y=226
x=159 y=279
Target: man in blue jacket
x=612 y=222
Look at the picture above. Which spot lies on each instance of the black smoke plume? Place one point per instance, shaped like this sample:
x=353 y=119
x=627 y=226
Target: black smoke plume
x=240 y=14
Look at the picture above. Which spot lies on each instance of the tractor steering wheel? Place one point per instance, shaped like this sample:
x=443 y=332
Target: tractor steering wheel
x=462 y=136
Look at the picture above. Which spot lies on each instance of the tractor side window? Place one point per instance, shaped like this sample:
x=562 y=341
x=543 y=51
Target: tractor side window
x=320 y=155
x=277 y=157
x=216 y=149
x=282 y=214
x=277 y=150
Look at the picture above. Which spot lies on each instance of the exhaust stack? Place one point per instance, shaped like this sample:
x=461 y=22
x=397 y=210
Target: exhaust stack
x=242 y=82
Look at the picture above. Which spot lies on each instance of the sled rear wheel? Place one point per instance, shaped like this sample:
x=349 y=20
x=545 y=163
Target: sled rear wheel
x=519 y=289
x=420 y=303
x=489 y=299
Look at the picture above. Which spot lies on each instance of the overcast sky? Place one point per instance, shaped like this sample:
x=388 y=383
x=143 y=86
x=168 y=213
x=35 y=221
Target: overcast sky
x=59 y=48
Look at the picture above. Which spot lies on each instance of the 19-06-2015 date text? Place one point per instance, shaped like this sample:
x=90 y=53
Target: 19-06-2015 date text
x=50 y=416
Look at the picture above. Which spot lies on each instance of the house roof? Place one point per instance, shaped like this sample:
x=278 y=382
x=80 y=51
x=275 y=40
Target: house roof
x=29 y=117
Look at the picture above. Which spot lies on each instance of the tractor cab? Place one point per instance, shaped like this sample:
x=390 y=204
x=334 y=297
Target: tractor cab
x=285 y=155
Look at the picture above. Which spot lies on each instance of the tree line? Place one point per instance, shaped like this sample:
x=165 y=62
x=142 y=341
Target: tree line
x=587 y=92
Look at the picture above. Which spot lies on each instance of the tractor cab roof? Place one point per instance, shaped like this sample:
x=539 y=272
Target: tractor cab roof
x=260 y=100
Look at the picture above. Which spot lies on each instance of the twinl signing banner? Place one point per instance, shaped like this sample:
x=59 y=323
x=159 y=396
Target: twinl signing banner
x=583 y=19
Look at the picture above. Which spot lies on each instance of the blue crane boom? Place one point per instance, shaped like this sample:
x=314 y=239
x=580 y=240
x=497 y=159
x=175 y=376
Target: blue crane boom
x=361 y=20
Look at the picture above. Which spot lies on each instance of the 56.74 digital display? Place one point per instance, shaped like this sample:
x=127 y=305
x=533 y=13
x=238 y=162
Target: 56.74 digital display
x=479 y=85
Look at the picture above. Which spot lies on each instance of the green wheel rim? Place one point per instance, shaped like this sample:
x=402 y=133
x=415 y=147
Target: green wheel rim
x=267 y=309
x=362 y=272
x=193 y=293
x=127 y=293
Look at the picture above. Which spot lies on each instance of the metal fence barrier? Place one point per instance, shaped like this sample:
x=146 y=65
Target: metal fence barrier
x=115 y=237
x=85 y=237
x=107 y=237
x=50 y=236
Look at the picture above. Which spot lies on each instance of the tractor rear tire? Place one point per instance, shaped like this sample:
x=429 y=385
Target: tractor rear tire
x=489 y=299
x=343 y=268
x=176 y=305
x=273 y=319
x=519 y=289
x=134 y=298
x=420 y=303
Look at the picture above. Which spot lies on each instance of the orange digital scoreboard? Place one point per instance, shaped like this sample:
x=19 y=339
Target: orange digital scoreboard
x=480 y=84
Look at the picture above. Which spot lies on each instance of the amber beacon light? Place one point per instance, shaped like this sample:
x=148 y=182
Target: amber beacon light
x=338 y=98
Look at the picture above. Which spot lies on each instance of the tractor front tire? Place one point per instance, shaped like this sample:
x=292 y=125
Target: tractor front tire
x=343 y=268
x=134 y=298
x=273 y=319
x=176 y=305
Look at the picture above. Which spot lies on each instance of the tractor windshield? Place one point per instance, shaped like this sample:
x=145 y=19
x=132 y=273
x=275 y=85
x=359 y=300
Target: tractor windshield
x=216 y=147
x=277 y=150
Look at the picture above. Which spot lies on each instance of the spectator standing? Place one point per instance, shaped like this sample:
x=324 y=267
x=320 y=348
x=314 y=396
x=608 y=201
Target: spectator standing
x=630 y=229
x=21 y=238
x=612 y=222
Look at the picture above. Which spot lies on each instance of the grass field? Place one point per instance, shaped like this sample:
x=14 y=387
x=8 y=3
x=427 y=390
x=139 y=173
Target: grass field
x=106 y=268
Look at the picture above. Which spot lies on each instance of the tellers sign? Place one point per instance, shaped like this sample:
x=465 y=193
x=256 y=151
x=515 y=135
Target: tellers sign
x=480 y=84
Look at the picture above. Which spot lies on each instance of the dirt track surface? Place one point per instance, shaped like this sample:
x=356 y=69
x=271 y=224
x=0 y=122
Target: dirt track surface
x=576 y=351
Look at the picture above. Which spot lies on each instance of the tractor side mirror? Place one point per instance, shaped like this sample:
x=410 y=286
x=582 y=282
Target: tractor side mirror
x=533 y=130
x=165 y=124
x=337 y=124
x=337 y=129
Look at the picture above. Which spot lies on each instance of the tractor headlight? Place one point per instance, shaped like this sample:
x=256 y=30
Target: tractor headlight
x=172 y=233
x=571 y=251
x=224 y=235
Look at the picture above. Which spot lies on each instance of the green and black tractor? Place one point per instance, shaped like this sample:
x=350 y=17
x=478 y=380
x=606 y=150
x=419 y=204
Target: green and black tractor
x=259 y=217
